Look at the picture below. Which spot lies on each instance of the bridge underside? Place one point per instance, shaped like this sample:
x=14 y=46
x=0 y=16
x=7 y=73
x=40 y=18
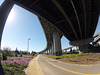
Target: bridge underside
x=53 y=37
x=76 y=19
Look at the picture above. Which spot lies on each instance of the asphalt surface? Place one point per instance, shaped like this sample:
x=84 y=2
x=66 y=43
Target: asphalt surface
x=54 y=67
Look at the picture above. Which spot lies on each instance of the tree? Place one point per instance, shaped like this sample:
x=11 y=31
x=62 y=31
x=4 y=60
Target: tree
x=6 y=52
x=33 y=53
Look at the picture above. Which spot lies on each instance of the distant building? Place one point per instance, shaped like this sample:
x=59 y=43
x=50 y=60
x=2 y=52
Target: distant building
x=20 y=52
x=16 y=51
x=25 y=52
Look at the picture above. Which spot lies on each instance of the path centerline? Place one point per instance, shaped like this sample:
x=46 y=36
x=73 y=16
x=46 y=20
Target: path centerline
x=67 y=69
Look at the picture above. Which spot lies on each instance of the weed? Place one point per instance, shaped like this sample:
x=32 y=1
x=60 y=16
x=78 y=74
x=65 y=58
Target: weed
x=88 y=59
x=99 y=57
x=66 y=56
x=73 y=60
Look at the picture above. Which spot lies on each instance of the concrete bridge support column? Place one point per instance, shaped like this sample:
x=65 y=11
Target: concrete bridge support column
x=83 y=49
x=44 y=52
x=57 y=43
x=52 y=49
x=5 y=8
x=83 y=44
x=47 y=51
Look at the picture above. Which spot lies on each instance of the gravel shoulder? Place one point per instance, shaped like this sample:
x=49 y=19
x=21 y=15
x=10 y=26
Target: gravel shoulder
x=34 y=67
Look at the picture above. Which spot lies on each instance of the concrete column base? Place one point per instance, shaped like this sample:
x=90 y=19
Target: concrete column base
x=47 y=52
x=58 y=53
x=83 y=49
x=83 y=44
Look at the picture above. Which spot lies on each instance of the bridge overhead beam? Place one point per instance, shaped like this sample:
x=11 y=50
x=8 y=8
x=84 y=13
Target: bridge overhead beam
x=84 y=10
x=5 y=9
x=77 y=17
x=66 y=16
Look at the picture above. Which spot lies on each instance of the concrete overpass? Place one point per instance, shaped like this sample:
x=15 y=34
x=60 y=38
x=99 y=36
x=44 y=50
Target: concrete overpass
x=75 y=19
x=96 y=39
x=66 y=49
x=53 y=37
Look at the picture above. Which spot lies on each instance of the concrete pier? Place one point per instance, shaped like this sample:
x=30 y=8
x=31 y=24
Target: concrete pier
x=5 y=9
x=82 y=44
x=57 y=43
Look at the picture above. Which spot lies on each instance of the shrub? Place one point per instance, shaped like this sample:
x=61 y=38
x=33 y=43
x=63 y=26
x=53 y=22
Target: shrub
x=21 y=55
x=15 y=55
x=88 y=59
x=4 y=57
x=33 y=53
x=7 y=51
x=73 y=60
x=58 y=58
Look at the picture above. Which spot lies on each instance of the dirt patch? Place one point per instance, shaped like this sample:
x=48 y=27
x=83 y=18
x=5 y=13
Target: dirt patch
x=88 y=59
x=25 y=70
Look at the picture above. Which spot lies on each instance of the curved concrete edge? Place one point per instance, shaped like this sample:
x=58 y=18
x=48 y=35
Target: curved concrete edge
x=34 y=68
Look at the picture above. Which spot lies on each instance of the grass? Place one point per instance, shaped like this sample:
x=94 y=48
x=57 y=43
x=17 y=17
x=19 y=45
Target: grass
x=67 y=56
x=15 y=65
x=13 y=69
x=27 y=56
x=51 y=56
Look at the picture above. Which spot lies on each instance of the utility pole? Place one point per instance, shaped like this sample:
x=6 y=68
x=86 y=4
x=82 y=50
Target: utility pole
x=28 y=45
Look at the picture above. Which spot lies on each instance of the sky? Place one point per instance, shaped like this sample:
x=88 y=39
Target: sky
x=21 y=25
